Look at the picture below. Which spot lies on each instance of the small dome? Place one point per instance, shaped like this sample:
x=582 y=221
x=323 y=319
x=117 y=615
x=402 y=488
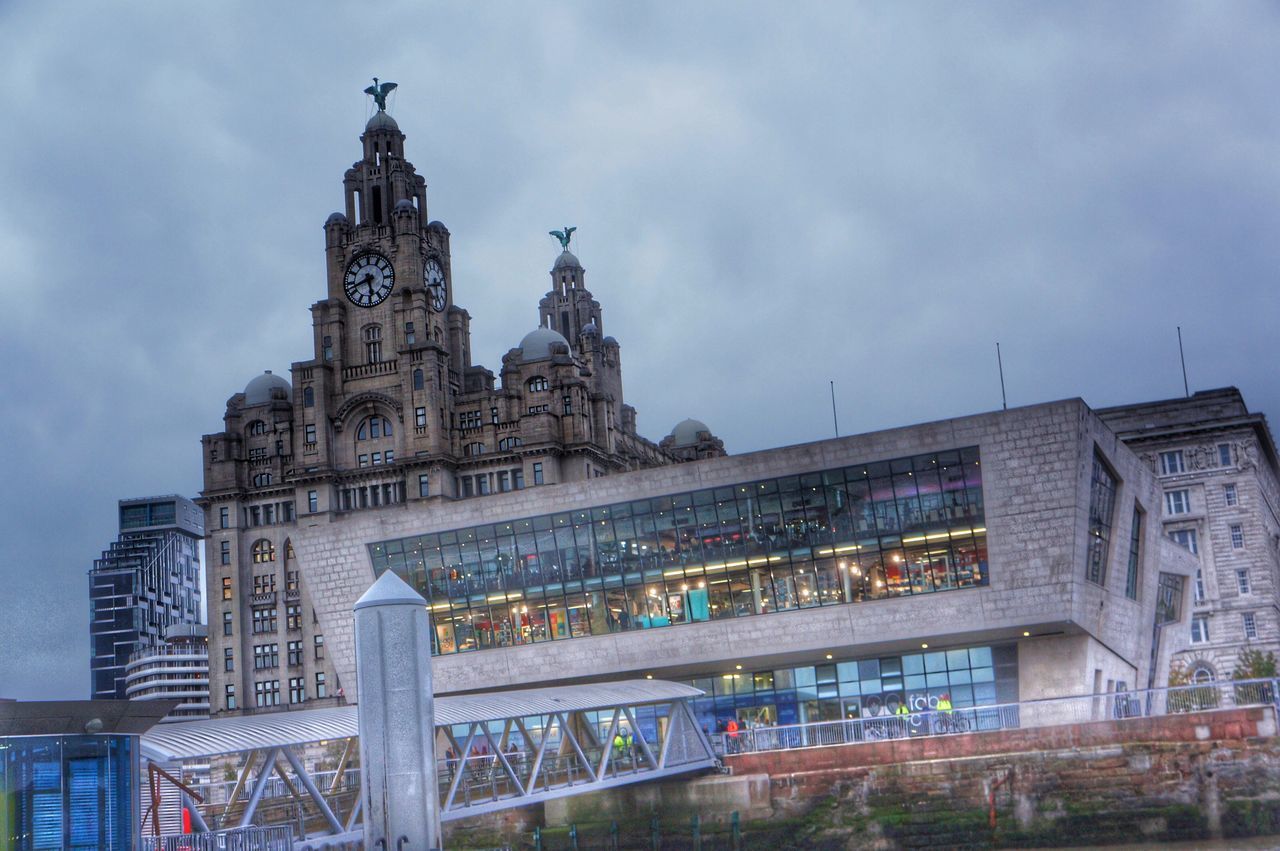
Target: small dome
x=590 y=328
x=258 y=391
x=567 y=260
x=610 y=341
x=382 y=121
x=686 y=432
x=336 y=219
x=536 y=345
x=406 y=205
x=437 y=225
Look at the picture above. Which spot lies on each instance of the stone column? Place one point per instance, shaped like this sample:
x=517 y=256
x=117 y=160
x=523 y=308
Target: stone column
x=397 y=717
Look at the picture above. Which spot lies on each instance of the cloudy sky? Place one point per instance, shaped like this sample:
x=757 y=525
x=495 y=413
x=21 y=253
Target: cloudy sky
x=769 y=196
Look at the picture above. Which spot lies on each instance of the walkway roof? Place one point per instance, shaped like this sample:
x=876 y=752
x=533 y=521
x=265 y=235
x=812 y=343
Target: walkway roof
x=217 y=736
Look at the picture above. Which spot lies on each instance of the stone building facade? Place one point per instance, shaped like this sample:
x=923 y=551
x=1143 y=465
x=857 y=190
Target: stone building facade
x=1220 y=499
x=390 y=410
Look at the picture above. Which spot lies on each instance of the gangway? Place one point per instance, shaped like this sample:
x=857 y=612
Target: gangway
x=494 y=751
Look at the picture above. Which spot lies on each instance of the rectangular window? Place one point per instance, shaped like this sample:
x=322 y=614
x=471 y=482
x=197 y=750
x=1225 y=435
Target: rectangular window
x=320 y=685
x=364 y=460
x=1199 y=629
x=467 y=488
x=1242 y=581
x=313 y=501
x=226 y=587
x=228 y=659
x=424 y=484
x=1200 y=595
x=231 y=697
x=226 y=623
x=1186 y=538
x=267 y=693
x=493 y=415
x=291 y=580
x=1224 y=454
x=517 y=479
x=224 y=517
x=1169 y=598
x=504 y=483
x=1250 y=626
x=420 y=417
x=482 y=484
x=377 y=457
x=297 y=690
x=309 y=433
x=266 y=656
x=319 y=640
x=537 y=473
x=1132 y=575
x=264 y=584
x=409 y=337
x=293 y=617
x=225 y=552
x=568 y=405
x=295 y=653
x=1101 y=509
x=264 y=619
x=1171 y=463
x=1229 y=493
x=1237 y=536
x=328 y=348
x=1177 y=502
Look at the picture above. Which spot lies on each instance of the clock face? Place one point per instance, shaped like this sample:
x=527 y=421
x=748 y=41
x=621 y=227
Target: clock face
x=433 y=277
x=369 y=279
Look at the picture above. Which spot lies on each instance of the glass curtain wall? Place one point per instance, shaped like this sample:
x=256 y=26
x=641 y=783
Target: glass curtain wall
x=891 y=528
x=68 y=792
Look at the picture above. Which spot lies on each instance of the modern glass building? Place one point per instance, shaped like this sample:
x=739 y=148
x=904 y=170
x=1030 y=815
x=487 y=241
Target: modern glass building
x=907 y=526
x=60 y=791
x=146 y=581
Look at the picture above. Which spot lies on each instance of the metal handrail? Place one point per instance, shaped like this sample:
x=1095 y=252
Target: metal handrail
x=1043 y=712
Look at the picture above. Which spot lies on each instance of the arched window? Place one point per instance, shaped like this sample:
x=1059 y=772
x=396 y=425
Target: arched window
x=261 y=480
x=1202 y=674
x=418 y=381
x=509 y=443
x=308 y=397
x=373 y=428
x=373 y=343
x=256 y=427
x=263 y=551
x=472 y=449
x=537 y=383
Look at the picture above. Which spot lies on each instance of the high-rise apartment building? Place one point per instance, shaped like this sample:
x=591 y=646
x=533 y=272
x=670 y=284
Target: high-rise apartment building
x=147 y=581
x=1217 y=467
x=176 y=670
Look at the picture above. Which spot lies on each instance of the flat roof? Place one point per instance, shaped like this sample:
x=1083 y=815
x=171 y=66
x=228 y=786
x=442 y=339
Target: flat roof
x=70 y=717
x=217 y=736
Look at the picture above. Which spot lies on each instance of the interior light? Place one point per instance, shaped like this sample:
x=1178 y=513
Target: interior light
x=924 y=646
x=828 y=655
x=1026 y=633
x=739 y=667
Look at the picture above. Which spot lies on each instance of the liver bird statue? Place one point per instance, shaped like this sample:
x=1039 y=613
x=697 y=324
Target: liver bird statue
x=380 y=93
x=564 y=236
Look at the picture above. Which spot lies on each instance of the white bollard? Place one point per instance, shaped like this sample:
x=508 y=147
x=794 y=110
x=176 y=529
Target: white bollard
x=401 y=798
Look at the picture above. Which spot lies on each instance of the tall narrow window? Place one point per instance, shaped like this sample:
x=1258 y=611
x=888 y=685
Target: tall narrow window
x=231 y=696
x=1229 y=494
x=224 y=551
x=1237 y=536
x=537 y=473
x=420 y=417
x=1135 y=556
x=1101 y=508
x=424 y=485
x=226 y=623
x=373 y=343
x=226 y=587
x=321 y=691
x=1224 y=454
x=1200 y=595
x=418 y=381
x=1177 y=502
x=327 y=349
x=1242 y=581
x=1250 y=626
x=228 y=659
x=1199 y=629
x=313 y=501
x=409 y=336
x=224 y=517
x=308 y=397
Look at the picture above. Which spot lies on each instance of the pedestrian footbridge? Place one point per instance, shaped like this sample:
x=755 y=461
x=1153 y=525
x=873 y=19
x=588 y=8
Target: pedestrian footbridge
x=493 y=751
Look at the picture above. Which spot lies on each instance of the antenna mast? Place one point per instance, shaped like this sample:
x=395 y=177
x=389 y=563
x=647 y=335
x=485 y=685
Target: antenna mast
x=1186 y=388
x=1004 y=400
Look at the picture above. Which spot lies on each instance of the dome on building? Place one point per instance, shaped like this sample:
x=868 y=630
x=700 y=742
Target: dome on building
x=437 y=225
x=404 y=204
x=567 y=259
x=686 y=432
x=382 y=121
x=259 y=389
x=610 y=341
x=590 y=328
x=336 y=219
x=536 y=345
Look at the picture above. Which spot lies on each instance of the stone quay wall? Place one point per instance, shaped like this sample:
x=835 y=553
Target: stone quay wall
x=1188 y=776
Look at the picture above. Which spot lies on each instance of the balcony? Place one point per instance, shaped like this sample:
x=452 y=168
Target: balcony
x=292 y=595
x=386 y=367
x=265 y=598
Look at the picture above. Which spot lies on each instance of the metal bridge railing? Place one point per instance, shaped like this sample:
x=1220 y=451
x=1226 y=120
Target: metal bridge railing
x=278 y=838
x=1220 y=694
